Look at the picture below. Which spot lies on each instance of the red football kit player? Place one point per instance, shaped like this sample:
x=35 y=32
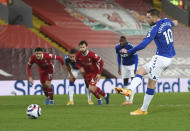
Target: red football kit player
x=45 y=67
x=90 y=64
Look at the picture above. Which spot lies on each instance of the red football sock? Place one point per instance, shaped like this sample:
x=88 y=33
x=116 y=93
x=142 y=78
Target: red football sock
x=101 y=92
x=96 y=93
x=50 y=93
x=45 y=91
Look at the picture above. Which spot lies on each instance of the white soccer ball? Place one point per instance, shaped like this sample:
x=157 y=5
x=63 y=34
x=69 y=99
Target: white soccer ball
x=33 y=111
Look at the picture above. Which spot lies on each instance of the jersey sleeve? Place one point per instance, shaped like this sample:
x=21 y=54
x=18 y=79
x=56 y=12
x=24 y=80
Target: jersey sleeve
x=55 y=57
x=130 y=46
x=29 y=65
x=172 y=23
x=66 y=59
x=136 y=62
x=118 y=57
x=78 y=64
x=99 y=62
x=149 y=37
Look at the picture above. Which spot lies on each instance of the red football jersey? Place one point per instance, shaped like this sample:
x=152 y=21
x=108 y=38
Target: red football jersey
x=91 y=62
x=45 y=63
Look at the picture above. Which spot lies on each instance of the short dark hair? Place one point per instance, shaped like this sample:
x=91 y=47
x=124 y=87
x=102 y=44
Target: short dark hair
x=38 y=49
x=72 y=51
x=122 y=38
x=154 y=12
x=83 y=42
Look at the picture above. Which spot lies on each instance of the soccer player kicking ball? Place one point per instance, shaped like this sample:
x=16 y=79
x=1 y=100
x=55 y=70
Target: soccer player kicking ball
x=74 y=72
x=90 y=64
x=128 y=66
x=45 y=67
x=161 y=33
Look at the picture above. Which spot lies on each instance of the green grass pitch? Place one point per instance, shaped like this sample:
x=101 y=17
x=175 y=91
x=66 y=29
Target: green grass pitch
x=167 y=112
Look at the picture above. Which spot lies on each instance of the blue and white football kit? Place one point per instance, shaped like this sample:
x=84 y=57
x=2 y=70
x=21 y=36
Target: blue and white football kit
x=161 y=33
x=128 y=63
x=76 y=73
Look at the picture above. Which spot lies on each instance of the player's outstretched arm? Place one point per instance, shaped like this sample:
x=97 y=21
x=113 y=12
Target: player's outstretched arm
x=29 y=65
x=55 y=57
x=68 y=68
x=29 y=74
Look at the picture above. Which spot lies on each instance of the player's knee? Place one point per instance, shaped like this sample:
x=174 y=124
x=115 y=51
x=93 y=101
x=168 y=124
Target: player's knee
x=43 y=85
x=48 y=84
x=151 y=84
x=91 y=88
x=141 y=71
x=72 y=80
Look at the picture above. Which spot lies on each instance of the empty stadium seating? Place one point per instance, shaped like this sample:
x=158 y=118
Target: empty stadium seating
x=68 y=29
x=16 y=46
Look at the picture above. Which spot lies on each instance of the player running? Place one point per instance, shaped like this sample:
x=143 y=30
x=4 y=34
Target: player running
x=161 y=33
x=74 y=72
x=128 y=66
x=45 y=67
x=90 y=64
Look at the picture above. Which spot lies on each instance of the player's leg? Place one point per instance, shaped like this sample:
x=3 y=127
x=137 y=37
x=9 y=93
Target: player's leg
x=149 y=94
x=147 y=99
x=137 y=80
x=126 y=83
x=125 y=76
x=90 y=79
x=48 y=76
x=71 y=92
x=71 y=86
x=89 y=94
x=158 y=65
x=50 y=92
x=132 y=75
x=95 y=91
x=44 y=86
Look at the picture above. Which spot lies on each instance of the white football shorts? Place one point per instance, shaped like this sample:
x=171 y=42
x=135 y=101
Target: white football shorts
x=76 y=73
x=127 y=71
x=156 y=66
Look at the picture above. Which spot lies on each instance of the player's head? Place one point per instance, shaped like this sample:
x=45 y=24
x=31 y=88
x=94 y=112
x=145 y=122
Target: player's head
x=153 y=16
x=72 y=54
x=38 y=53
x=122 y=40
x=83 y=46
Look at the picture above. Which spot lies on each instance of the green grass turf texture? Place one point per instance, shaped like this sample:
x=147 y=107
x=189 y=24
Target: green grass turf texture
x=167 y=112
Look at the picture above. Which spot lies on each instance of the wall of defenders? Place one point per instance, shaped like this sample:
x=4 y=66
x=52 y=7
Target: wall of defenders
x=60 y=87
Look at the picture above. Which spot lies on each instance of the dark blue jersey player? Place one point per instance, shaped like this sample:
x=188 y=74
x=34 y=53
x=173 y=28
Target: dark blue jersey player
x=127 y=64
x=161 y=33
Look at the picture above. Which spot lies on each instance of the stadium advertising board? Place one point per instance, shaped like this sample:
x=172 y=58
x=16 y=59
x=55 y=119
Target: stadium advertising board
x=23 y=87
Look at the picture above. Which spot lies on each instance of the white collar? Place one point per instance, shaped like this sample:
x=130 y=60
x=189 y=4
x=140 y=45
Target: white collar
x=42 y=56
x=86 y=53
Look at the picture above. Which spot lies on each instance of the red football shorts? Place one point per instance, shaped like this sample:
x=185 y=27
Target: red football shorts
x=91 y=79
x=45 y=76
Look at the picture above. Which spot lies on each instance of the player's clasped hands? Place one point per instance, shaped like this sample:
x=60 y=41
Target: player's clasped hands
x=124 y=51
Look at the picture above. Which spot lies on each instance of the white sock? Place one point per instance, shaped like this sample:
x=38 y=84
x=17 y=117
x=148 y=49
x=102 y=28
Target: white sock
x=89 y=94
x=71 y=92
x=132 y=96
x=134 y=83
x=126 y=97
x=146 y=102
